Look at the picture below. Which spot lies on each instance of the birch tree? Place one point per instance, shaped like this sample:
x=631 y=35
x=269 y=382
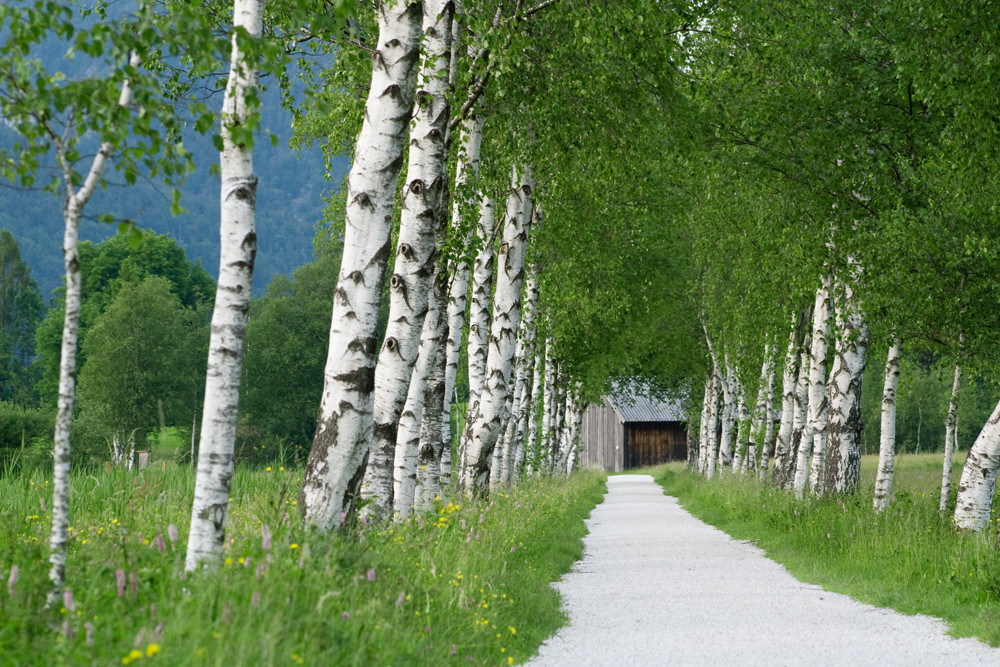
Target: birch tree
x=950 y=437
x=232 y=300
x=887 y=438
x=815 y=435
x=483 y=424
x=417 y=251
x=843 y=456
x=345 y=427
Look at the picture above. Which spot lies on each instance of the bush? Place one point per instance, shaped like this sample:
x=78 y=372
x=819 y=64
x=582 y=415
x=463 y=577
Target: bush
x=20 y=427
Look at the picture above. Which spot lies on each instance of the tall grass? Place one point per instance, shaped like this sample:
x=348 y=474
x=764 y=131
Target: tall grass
x=466 y=584
x=909 y=558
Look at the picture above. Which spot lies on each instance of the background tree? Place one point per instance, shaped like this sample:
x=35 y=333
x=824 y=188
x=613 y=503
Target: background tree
x=21 y=309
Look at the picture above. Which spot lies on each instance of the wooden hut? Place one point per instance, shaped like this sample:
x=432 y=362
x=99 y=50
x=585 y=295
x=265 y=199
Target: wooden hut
x=629 y=430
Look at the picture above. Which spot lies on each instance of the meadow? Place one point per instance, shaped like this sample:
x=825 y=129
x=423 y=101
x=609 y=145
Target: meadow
x=909 y=558
x=468 y=583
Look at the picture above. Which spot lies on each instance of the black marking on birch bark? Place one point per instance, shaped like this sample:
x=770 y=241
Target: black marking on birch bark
x=391 y=344
x=363 y=200
x=72 y=265
x=215 y=513
x=364 y=345
x=360 y=380
x=424 y=99
x=406 y=250
x=245 y=190
x=504 y=247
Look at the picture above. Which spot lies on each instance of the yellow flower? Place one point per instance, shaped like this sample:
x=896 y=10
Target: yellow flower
x=134 y=654
x=510 y=660
x=269 y=468
x=152 y=650
x=294 y=546
x=513 y=630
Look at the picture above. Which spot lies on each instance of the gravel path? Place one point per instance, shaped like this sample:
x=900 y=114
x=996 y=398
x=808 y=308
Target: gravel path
x=658 y=587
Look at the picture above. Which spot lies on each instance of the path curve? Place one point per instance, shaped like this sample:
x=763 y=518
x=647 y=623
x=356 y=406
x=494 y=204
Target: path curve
x=658 y=587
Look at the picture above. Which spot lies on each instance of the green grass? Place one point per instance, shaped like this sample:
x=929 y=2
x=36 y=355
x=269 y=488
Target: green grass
x=467 y=584
x=909 y=558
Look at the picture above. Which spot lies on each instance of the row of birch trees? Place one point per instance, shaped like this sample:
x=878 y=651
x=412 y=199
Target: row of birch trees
x=517 y=124
x=845 y=217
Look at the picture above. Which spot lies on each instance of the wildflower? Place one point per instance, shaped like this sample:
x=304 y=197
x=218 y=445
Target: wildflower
x=293 y=546
x=265 y=537
x=172 y=533
x=269 y=468
x=134 y=654
x=152 y=650
x=15 y=571
x=255 y=600
x=68 y=598
x=120 y=580
x=345 y=616
x=371 y=575
x=158 y=543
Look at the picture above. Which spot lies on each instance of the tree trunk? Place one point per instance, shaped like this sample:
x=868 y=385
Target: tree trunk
x=887 y=435
x=759 y=454
x=407 y=447
x=728 y=417
x=73 y=205
x=789 y=376
x=531 y=446
x=950 y=436
x=814 y=435
x=479 y=314
x=741 y=457
x=843 y=456
x=526 y=371
x=434 y=420
x=712 y=431
x=768 y=424
x=458 y=294
x=420 y=228
x=548 y=398
x=344 y=429
x=706 y=405
x=207 y=533
x=482 y=428
x=979 y=476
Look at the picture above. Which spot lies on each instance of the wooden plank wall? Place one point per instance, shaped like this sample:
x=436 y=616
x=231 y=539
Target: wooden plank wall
x=602 y=438
x=653 y=443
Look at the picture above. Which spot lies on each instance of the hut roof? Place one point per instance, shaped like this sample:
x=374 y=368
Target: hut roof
x=631 y=404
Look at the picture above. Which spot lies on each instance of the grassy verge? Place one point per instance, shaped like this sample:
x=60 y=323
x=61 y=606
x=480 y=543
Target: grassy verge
x=466 y=584
x=910 y=558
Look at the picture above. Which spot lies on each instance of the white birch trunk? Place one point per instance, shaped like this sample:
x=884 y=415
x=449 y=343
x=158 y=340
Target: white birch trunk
x=563 y=422
x=789 y=375
x=575 y=422
x=545 y=455
x=530 y=412
x=558 y=419
x=800 y=416
x=979 y=476
x=73 y=205
x=458 y=294
x=728 y=417
x=714 y=410
x=887 y=434
x=706 y=404
x=410 y=419
x=515 y=445
x=843 y=455
x=758 y=443
x=479 y=313
x=950 y=437
x=210 y=508
x=344 y=429
x=423 y=199
x=434 y=419
x=482 y=428
x=765 y=454
x=819 y=408
x=741 y=456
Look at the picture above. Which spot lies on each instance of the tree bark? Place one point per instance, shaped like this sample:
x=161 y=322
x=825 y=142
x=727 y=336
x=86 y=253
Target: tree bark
x=741 y=457
x=548 y=399
x=768 y=424
x=482 y=428
x=531 y=446
x=887 y=435
x=521 y=410
x=728 y=417
x=950 y=437
x=417 y=252
x=814 y=435
x=216 y=448
x=434 y=421
x=73 y=205
x=758 y=448
x=458 y=294
x=789 y=375
x=344 y=429
x=843 y=456
x=979 y=476
x=800 y=416
x=479 y=313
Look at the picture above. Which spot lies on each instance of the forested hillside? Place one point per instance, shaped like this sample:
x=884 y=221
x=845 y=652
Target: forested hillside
x=290 y=197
